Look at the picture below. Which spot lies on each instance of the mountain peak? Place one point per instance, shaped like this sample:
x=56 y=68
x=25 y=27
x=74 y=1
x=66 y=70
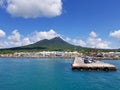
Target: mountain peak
x=55 y=44
x=52 y=44
x=57 y=38
x=53 y=41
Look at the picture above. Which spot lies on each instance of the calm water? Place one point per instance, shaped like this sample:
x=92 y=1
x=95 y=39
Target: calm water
x=53 y=74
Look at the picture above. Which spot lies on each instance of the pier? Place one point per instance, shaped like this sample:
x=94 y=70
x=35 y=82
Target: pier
x=80 y=64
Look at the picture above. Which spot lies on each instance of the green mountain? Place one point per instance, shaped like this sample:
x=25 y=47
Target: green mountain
x=55 y=44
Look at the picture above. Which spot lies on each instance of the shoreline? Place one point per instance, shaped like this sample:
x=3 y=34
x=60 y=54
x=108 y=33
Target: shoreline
x=62 y=57
x=40 y=57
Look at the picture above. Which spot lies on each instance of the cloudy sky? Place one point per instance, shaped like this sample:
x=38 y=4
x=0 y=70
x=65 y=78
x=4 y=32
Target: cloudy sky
x=88 y=23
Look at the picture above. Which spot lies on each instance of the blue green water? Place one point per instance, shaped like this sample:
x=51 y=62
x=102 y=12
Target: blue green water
x=53 y=74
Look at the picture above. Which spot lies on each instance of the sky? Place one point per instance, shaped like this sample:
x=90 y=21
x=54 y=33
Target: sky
x=87 y=23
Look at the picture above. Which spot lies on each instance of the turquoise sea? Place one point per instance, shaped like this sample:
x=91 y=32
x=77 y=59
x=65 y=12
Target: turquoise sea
x=54 y=74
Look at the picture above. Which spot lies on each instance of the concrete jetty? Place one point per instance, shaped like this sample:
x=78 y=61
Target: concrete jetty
x=79 y=63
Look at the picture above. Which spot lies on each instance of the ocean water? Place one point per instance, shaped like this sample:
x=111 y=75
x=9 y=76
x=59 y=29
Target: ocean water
x=54 y=74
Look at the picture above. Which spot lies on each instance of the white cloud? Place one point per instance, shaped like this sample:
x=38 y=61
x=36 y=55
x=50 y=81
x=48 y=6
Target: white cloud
x=93 y=34
x=34 y=8
x=95 y=42
x=2 y=33
x=67 y=39
x=36 y=36
x=115 y=34
x=79 y=42
x=14 y=39
x=26 y=41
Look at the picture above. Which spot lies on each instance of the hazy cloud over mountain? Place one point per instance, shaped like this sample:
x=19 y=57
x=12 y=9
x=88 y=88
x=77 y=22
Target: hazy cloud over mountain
x=36 y=36
x=17 y=39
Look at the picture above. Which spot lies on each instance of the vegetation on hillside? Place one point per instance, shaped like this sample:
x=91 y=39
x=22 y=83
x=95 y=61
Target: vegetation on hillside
x=55 y=44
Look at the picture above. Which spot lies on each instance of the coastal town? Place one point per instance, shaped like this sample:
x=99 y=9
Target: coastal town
x=61 y=54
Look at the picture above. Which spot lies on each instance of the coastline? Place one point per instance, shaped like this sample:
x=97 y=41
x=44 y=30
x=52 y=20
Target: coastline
x=64 y=57
x=60 y=54
x=39 y=57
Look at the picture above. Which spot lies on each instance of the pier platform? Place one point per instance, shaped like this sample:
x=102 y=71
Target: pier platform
x=80 y=64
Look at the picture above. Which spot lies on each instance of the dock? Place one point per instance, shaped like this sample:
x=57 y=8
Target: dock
x=80 y=64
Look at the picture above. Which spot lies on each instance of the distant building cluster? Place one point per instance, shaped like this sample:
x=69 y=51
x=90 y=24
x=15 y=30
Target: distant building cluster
x=110 y=55
x=60 y=54
x=105 y=55
x=44 y=54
